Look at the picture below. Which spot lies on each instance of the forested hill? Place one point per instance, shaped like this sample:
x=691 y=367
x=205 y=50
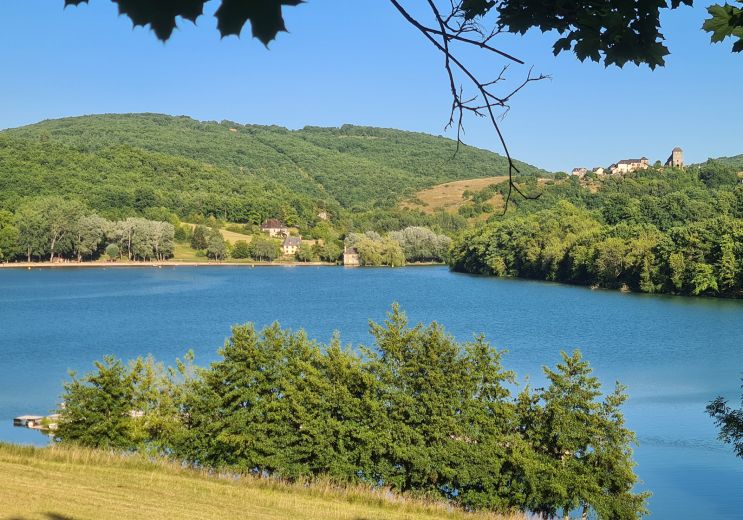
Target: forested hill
x=210 y=167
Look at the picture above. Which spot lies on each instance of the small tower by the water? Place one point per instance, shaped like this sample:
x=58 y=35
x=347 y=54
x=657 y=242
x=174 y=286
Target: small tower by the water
x=676 y=160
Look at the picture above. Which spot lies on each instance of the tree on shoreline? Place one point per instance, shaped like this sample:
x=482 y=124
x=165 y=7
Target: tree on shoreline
x=417 y=412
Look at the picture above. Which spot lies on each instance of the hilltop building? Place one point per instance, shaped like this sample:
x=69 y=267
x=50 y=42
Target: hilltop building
x=599 y=171
x=579 y=172
x=291 y=245
x=676 y=160
x=629 y=165
x=274 y=227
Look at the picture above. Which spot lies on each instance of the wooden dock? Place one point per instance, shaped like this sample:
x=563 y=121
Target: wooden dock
x=37 y=422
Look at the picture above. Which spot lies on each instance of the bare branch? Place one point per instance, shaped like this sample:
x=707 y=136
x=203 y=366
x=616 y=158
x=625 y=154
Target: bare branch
x=451 y=29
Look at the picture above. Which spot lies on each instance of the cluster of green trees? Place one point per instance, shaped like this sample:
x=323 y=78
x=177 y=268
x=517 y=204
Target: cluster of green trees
x=418 y=413
x=412 y=244
x=45 y=228
x=670 y=230
x=570 y=244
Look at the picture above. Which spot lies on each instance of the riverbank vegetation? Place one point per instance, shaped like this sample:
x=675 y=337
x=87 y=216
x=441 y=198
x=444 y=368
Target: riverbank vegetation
x=147 y=186
x=656 y=231
x=63 y=482
x=417 y=412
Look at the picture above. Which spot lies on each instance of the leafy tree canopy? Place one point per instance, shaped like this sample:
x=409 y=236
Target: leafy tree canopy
x=615 y=32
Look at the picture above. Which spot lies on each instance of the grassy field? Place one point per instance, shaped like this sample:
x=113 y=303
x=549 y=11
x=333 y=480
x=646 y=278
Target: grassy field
x=75 y=484
x=449 y=196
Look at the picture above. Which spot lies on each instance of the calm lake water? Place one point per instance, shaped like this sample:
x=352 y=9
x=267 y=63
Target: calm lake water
x=675 y=353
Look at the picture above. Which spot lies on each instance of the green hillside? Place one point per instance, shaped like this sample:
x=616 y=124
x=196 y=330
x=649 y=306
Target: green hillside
x=227 y=169
x=736 y=161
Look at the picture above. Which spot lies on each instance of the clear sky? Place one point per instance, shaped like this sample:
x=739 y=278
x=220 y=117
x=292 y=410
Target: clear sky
x=358 y=62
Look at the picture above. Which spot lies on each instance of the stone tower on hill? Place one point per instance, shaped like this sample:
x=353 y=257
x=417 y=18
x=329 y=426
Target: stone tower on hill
x=676 y=160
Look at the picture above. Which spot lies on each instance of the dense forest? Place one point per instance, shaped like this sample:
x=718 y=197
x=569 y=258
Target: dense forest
x=236 y=172
x=657 y=230
x=416 y=412
x=58 y=177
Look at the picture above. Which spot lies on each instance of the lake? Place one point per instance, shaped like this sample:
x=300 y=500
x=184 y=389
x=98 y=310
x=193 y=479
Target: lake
x=675 y=353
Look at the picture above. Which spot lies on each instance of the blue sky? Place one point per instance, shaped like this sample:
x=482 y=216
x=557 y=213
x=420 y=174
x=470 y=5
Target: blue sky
x=358 y=62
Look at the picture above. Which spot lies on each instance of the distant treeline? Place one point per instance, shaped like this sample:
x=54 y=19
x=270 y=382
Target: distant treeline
x=119 y=164
x=418 y=413
x=669 y=231
x=46 y=228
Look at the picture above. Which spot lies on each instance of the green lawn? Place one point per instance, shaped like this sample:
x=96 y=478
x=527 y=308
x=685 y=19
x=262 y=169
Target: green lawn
x=70 y=483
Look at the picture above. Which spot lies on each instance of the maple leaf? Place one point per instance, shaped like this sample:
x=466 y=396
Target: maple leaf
x=265 y=16
x=724 y=21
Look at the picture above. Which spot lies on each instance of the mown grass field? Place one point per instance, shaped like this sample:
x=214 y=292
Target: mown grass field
x=74 y=484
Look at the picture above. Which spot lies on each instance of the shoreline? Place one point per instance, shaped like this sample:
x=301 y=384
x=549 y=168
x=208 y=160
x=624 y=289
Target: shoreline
x=176 y=263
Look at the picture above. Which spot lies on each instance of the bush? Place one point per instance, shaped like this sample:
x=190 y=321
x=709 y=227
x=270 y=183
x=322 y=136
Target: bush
x=113 y=252
x=241 y=249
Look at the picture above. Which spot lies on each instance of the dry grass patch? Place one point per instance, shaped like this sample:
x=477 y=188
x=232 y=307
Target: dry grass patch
x=71 y=483
x=449 y=196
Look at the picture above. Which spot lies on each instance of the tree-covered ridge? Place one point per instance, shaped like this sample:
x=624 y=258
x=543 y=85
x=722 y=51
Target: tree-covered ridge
x=735 y=162
x=354 y=167
x=659 y=230
x=417 y=412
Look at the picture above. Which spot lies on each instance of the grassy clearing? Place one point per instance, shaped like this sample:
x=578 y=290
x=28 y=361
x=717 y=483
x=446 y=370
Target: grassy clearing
x=183 y=253
x=449 y=196
x=59 y=483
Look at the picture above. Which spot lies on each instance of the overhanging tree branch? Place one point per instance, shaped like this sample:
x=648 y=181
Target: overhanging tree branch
x=485 y=101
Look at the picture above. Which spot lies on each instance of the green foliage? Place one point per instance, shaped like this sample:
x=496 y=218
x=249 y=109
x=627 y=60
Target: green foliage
x=113 y=252
x=716 y=174
x=329 y=251
x=584 y=444
x=264 y=248
x=420 y=244
x=674 y=231
x=216 y=248
x=98 y=408
x=9 y=237
x=241 y=249
x=200 y=237
x=54 y=227
x=120 y=165
x=305 y=253
x=729 y=421
x=417 y=412
x=620 y=31
x=265 y=16
x=725 y=20
x=615 y=32
x=375 y=250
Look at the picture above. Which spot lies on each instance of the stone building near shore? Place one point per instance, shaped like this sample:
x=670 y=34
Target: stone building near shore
x=291 y=245
x=351 y=257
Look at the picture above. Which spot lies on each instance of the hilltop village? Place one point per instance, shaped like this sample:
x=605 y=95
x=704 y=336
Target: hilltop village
x=675 y=160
